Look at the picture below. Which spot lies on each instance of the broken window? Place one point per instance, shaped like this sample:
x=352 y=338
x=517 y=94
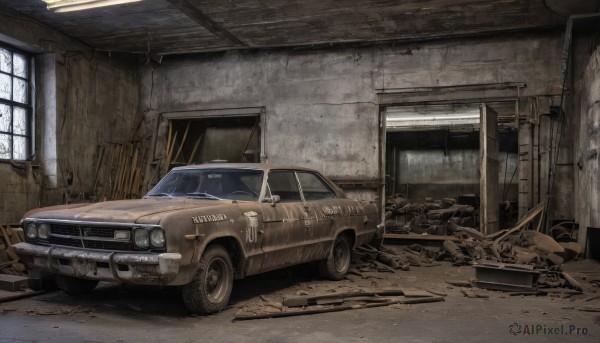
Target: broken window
x=15 y=105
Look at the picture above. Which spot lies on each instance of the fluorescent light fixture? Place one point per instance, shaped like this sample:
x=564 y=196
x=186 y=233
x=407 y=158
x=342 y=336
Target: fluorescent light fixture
x=424 y=116
x=59 y=6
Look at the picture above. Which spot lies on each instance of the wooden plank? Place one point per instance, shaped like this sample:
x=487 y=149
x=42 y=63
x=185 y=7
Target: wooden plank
x=119 y=161
x=13 y=283
x=100 y=151
x=243 y=159
x=198 y=16
x=339 y=308
x=185 y=134
x=16 y=234
x=132 y=172
x=6 y=236
x=168 y=145
x=9 y=296
x=534 y=212
x=196 y=146
x=168 y=158
x=149 y=172
x=417 y=237
x=489 y=164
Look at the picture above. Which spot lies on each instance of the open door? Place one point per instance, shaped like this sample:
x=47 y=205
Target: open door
x=489 y=164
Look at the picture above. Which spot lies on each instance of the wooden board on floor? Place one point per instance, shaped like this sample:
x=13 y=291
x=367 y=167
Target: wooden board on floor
x=417 y=237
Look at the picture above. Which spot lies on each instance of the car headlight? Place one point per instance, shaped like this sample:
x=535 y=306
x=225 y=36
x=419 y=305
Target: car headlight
x=140 y=238
x=31 y=231
x=157 y=238
x=43 y=230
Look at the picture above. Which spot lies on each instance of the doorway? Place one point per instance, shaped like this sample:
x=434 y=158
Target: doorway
x=434 y=156
x=209 y=140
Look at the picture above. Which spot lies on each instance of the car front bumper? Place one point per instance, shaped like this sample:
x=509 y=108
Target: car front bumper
x=127 y=267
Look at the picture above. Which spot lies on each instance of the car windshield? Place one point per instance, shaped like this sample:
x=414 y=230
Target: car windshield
x=232 y=184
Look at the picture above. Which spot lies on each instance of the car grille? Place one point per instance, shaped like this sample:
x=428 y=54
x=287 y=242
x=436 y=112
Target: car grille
x=83 y=235
x=66 y=241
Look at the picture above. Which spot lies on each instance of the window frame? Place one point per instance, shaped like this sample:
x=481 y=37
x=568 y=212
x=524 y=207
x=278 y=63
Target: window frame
x=293 y=172
x=318 y=178
x=28 y=106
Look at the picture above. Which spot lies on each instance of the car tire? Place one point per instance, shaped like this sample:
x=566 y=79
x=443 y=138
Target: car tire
x=337 y=263
x=210 y=289
x=73 y=285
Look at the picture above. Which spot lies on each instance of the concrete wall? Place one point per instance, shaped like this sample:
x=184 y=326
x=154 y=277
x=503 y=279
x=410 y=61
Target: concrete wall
x=82 y=98
x=588 y=149
x=322 y=106
x=431 y=173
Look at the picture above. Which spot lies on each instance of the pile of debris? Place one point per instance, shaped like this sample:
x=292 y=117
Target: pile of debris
x=518 y=245
x=431 y=216
x=9 y=261
x=522 y=250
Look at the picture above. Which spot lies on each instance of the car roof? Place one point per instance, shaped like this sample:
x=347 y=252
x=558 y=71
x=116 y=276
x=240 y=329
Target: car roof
x=257 y=166
x=261 y=166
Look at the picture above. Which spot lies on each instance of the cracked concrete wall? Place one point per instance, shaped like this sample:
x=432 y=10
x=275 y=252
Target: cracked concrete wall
x=322 y=109
x=588 y=149
x=82 y=98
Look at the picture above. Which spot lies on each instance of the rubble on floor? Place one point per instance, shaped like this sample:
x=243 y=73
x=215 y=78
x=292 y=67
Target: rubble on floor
x=431 y=216
x=520 y=259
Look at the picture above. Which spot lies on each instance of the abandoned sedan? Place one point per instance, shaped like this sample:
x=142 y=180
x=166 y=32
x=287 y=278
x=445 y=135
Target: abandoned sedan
x=200 y=228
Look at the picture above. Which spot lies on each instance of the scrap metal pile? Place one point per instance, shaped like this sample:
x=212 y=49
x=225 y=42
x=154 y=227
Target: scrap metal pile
x=431 y=216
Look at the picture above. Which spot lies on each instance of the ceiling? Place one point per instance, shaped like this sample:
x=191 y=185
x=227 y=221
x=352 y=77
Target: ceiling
x=187 y=26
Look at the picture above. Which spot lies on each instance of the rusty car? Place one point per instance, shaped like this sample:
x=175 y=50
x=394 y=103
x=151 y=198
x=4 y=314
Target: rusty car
x=200 y=228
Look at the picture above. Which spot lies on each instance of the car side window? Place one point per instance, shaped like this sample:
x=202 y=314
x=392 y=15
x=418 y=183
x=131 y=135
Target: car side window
x=313 y=187
x=284 y=184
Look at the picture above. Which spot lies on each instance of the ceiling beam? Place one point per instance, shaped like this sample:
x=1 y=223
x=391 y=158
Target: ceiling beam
x=195 y=14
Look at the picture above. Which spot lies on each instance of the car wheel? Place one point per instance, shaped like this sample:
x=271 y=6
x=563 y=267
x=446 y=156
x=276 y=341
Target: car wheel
x=209 y=290
x=73 y=285
x=337 y=264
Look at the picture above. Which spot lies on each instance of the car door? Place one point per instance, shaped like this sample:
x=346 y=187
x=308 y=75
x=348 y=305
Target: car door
x=283 y=222
x=318 y=199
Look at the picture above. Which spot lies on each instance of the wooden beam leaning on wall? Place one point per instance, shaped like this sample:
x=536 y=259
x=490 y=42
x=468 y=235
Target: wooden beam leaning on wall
x=120 y=171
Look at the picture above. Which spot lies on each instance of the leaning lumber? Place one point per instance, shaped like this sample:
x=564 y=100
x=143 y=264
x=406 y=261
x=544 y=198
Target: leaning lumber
x=576 y=285
x=531 y=215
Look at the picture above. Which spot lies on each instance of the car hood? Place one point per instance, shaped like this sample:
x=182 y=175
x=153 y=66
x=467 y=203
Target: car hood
x=124 y=211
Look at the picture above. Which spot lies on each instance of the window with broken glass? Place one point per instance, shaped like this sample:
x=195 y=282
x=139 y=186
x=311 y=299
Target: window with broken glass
x=15 y=105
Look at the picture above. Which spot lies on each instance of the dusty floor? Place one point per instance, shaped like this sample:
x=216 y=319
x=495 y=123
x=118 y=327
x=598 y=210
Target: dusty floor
x=140 y=314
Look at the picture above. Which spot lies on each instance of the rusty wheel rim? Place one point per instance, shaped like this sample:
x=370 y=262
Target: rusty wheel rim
x=217 y=281
x=341 y=256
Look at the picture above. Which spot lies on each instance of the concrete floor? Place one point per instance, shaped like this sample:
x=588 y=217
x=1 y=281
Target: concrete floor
x=138 y=314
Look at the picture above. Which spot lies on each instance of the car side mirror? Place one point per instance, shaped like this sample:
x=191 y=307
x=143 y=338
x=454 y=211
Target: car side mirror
x=273 y=199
